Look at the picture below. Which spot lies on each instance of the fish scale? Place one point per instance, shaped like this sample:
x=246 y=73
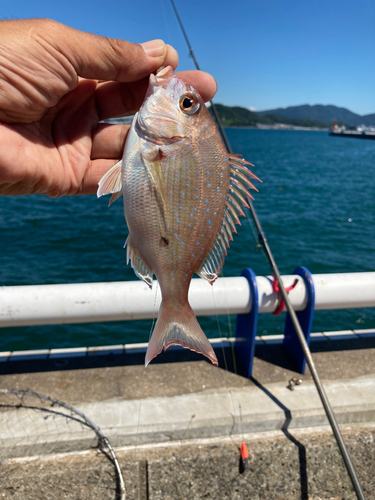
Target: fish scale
x=182 y=196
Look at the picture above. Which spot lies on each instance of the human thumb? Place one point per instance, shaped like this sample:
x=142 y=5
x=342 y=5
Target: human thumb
x=101 y=58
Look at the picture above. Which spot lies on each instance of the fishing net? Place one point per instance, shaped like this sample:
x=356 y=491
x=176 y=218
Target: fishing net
x=50 y=450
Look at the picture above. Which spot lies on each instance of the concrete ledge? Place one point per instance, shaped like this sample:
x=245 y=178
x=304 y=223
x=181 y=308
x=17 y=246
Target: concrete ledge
x=214 y=413
x=206 y=414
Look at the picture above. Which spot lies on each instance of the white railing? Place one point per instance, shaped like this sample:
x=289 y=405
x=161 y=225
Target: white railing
x=118 y=301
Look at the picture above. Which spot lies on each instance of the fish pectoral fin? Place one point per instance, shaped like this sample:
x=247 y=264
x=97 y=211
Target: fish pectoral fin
x=140 y=268
x=178 y=328
x=153 y=170
x=111 y=182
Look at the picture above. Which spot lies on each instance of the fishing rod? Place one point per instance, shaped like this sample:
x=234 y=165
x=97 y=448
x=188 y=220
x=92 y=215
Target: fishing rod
x=305 y=348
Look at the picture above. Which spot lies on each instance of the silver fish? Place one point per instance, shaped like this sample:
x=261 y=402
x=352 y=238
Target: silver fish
x=182 y=196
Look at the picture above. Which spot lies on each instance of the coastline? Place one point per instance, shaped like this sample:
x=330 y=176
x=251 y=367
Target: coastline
x=259 y=126
x=284 y=126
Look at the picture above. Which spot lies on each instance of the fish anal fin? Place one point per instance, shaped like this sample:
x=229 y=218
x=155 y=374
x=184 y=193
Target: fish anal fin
x=111 y=182
x=178 y=327
x=140 y=268
x=213 y=264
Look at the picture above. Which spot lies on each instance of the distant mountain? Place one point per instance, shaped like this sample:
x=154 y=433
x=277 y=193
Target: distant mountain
x=235 y=116
x=322 y=113
x=242 y=117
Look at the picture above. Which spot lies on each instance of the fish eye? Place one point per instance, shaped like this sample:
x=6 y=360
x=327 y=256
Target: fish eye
x=189 y=103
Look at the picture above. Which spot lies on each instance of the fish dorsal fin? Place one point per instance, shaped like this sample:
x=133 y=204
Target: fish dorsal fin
x=236 y=197
x=140 y=268
x=241 y=175
x=111 y=182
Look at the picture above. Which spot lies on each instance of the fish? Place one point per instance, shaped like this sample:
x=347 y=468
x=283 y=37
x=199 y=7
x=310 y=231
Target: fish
x=183 y=195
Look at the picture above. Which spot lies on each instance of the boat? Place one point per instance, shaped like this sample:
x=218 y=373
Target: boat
x=361 y=132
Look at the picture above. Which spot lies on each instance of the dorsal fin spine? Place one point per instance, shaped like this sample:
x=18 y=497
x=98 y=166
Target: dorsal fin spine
x=225 y=236
x=219 y=253
x=211 y=262
x=233 y=213
x=222 y=245
x=242 y=178
x=231 y=222
x=241 y=189
x=235 y=203
x=227 y=228
x=237 y=193
x=216 y=255
x=238 y=158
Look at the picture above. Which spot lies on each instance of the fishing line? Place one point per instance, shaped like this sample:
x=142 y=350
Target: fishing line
x=241 y=424
x=234 y=421
x=136 y=436
x=187 y=428
x=297 y=327
x=244 y=452
x=218 y=326
x=165 y=21
x=230 y=330
x=226 y=302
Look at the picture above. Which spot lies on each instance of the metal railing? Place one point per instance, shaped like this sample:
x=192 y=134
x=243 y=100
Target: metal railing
x=131 y=300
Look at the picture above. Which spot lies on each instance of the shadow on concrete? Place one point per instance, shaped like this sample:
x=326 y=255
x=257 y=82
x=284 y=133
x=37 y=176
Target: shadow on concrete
x=271 y=353
x=277 y=355
x=300 y=446
x=117 y=358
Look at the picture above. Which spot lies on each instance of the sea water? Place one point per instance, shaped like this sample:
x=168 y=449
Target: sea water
x=316 y=205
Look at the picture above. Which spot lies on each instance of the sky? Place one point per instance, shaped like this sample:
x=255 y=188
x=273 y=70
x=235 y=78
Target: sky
x=264 y=54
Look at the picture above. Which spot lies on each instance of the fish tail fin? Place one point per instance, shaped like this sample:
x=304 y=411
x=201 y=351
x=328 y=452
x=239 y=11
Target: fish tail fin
x=178 y=327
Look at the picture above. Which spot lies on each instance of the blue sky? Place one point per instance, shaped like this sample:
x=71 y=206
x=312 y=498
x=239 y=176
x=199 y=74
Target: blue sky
x=264 y=54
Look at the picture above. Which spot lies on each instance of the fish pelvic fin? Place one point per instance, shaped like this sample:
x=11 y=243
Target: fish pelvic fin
x=178 y=327
x=111 y=183
x=139 y=266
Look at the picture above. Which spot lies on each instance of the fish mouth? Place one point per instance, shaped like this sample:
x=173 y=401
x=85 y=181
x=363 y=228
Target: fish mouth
x=157 y=119
x=161 y=79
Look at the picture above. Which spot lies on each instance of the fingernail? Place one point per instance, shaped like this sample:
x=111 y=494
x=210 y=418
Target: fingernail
x=154 y=48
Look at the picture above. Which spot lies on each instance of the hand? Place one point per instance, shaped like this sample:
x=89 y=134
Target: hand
x=56 y=84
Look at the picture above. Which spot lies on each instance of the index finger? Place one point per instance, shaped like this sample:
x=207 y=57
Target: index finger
x=116 y=99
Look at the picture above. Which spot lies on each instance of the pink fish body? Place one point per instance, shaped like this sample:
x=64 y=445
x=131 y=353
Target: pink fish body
x=182 y=196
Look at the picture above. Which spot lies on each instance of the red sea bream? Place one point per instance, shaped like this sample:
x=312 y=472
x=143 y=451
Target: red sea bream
x=182 y=196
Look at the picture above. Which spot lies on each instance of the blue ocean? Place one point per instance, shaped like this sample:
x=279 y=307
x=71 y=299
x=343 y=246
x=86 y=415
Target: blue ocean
x=316 y=206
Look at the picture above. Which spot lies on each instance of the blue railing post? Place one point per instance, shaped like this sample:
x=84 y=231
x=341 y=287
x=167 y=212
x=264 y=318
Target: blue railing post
x=246 y=329
x=305 y=317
